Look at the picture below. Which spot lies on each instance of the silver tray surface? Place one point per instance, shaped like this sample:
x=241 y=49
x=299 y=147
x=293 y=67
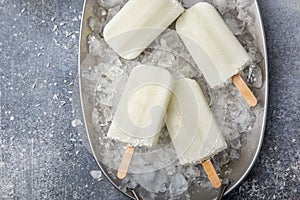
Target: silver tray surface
x=249 y=152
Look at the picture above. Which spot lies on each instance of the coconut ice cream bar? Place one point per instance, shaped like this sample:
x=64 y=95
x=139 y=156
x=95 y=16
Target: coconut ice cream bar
x=138 y=23
x=140 y=114
x=216 y=51
x=192 y=127
x=141 y=110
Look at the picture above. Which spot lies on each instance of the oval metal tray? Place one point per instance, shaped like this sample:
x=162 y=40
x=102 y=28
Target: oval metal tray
x=249 y=152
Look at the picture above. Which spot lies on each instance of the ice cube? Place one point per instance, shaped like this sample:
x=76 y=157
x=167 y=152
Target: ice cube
x=114 y=71
x=183 y=67
x=113 y=11
x=110 y=3
x=243 y=11
x=235 y=25
x=171 y=169
x=221 y=159
x=98 y=118
x=255 y=55
x=165 y=58
x=234 y=154
x=244 y=4
x=254 y=76
x=178 y=185
x=170 y=40
x=107 y=114
x=93 y=23
x=230 y=133
x=224 y=5
x=153 y=181
x=102 y=84
x=191 y=172
x=235 y=143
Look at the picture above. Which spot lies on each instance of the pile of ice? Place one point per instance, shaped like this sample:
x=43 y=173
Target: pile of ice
x=157 y=171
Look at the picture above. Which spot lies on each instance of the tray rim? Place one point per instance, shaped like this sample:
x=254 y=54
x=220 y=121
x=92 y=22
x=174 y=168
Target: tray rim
x=266 y=93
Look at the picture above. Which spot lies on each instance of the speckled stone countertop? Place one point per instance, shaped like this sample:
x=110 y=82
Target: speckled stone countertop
x=42 y=156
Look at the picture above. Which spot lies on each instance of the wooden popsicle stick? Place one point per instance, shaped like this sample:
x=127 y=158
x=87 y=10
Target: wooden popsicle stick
x=244 y=90
x=211 y=173
x=125 y=162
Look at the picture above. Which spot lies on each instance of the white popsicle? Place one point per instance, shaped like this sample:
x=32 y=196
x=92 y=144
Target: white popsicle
x=138 y=23
x=142 y=107
x=193 y=129
x=217 y=52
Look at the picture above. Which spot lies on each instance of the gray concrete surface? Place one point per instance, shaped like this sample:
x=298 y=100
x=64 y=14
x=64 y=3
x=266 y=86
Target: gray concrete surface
x=42 y=156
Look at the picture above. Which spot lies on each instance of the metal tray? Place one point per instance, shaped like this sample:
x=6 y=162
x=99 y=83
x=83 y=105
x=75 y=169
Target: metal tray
x=249 y=152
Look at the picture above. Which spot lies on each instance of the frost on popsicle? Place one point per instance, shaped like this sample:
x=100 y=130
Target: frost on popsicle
x=105 y=75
